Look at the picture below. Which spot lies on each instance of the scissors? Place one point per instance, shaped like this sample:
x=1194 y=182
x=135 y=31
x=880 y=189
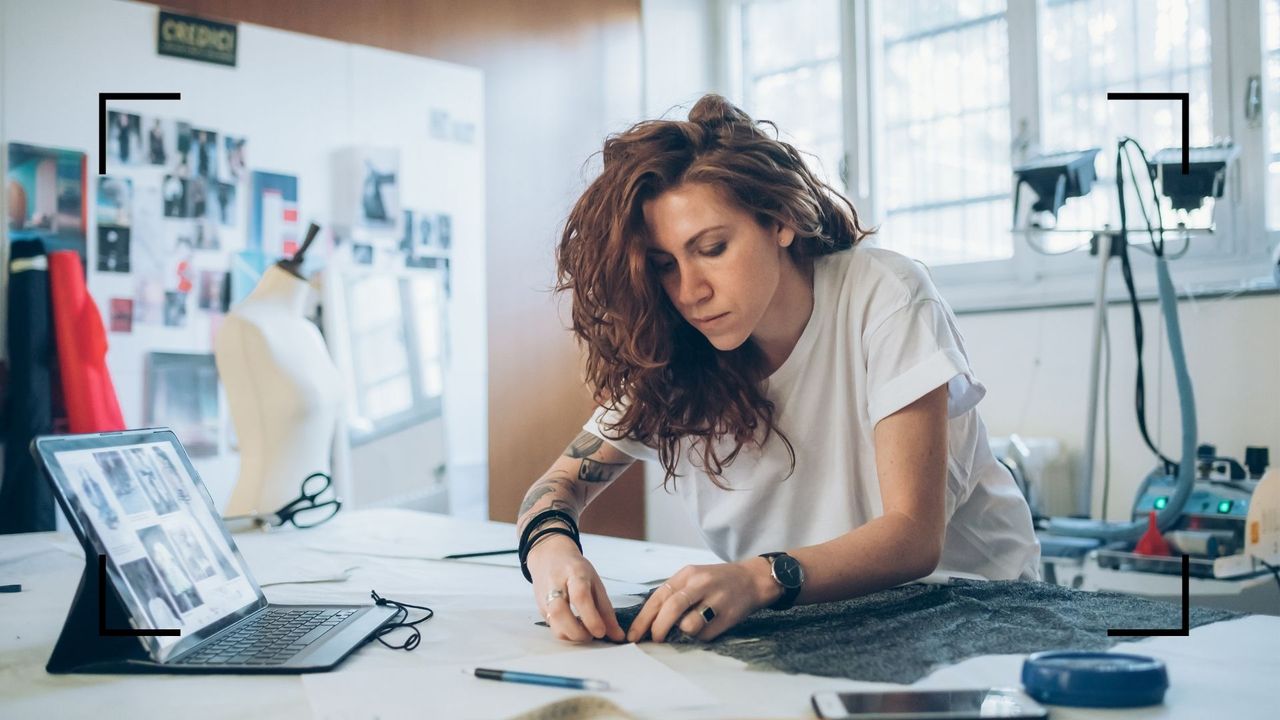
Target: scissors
x=307 y=510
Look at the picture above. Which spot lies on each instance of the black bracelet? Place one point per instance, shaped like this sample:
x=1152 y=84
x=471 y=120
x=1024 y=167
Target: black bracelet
x=557 y=530
x=539 y=519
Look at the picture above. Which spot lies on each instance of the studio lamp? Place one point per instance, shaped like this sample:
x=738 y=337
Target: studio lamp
x=1054 y=179
x=1205 y=177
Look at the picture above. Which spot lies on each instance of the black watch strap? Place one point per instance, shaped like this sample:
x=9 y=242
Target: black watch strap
x=789 y=594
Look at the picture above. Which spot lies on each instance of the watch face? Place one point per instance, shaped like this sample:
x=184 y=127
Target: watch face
x=788 y=571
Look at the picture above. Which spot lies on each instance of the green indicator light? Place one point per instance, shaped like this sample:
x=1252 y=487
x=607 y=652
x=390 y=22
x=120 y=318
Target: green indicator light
x=1161 y=502
x=1224 y=506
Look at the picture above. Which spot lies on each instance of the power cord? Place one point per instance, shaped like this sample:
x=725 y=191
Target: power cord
x=1275 y=571
x=398 y=620
x=1126 y=271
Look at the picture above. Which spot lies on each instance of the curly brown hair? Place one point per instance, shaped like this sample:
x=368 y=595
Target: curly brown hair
x=659 y=373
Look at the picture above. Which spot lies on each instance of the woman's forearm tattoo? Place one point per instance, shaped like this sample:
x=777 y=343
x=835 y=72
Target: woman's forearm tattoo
x=535 y=494
x=585 y=445
x=594 y=471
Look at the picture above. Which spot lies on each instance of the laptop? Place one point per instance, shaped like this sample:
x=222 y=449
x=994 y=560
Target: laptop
x=134 y=497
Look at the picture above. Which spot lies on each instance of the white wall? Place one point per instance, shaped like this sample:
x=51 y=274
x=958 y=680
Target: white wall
x=297 y=99
x=1036 y=367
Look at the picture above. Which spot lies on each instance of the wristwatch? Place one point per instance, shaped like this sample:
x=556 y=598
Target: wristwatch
x=786 y=572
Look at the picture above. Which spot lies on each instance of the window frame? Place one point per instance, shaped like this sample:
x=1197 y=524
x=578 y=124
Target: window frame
x=341 y=338
x=1234 y=260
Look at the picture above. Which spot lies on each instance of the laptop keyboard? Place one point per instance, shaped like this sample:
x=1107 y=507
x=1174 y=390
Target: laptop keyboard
x=270 y=638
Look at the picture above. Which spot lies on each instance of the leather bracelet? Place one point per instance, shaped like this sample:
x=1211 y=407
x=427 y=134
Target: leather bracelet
x=545 y=532
x=534 y=523
x=527 y=547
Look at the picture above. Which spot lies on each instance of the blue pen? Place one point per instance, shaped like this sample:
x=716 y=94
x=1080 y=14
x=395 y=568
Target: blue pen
x=538 y=679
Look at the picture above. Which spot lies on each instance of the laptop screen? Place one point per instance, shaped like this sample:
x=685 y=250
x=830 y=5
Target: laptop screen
x=137 y=498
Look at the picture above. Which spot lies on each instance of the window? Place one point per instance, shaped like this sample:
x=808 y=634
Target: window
x=790 y=61
x=1091 y=47
x=945 y=130
x=956 y=91
x=395 y=326
x=1271 y=40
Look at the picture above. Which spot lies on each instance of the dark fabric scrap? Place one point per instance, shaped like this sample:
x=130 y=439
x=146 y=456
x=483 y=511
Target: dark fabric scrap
x=26 y=498
x=902 y=634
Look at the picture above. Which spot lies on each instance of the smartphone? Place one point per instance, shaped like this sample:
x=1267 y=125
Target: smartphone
x=927 y=705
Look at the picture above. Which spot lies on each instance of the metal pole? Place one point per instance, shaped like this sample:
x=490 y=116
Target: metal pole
x=1084 y=492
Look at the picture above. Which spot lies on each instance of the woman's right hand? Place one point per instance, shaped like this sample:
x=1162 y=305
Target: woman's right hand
x=569 y=593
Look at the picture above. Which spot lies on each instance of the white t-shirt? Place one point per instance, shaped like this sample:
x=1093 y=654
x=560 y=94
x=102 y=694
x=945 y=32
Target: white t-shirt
x=879 y=338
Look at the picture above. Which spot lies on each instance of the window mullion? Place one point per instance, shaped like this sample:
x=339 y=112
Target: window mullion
x=1022 y=23
x=1235 y=61
x=858 y=91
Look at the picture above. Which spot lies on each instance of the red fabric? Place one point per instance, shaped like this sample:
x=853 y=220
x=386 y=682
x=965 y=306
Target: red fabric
x=82 y=349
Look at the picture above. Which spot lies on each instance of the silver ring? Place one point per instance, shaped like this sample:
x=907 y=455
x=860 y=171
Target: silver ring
x=688 y=604
x=708 y=614
x=554 y=595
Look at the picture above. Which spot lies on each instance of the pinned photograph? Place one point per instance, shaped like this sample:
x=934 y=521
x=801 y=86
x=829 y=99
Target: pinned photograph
x=184 y=144
x=149 y=480
x=204 y=151
x=160 y=140
x=113 y=249
x=124 y=138
x=273 y=222
x=176 y=578
x=215 y=292
x=206 y=237
x=197 y=198
x=362 y=254
x=115 y=200
x=44 y=191
x=175 y=308
x=224 y=203
x=121 y=315
x=174 y=191
x=148 y=301
x=142 y=579
x=379 y=189
x=444 y=231
x=121 y=482
x=182 y=393
x=234 y=158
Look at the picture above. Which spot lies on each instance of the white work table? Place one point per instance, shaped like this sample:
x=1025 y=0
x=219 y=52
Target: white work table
x=485 y=614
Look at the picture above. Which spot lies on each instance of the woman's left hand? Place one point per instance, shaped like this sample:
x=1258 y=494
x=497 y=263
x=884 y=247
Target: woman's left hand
x=705 y=600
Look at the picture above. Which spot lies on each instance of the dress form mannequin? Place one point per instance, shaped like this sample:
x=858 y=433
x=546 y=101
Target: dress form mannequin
x=283 y=389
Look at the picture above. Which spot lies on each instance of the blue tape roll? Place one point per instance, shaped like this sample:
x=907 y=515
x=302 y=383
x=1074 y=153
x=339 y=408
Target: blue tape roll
x=1092 y=679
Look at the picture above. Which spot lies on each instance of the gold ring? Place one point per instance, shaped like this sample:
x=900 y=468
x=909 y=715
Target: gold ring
x=708 y=614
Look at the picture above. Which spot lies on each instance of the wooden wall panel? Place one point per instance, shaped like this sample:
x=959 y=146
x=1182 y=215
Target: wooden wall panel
x=547 y=107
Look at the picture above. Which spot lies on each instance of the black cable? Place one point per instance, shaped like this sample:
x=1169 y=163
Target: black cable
x=1157 y=244
x=1126 y=271
x=1275 y=571
x=398 y=620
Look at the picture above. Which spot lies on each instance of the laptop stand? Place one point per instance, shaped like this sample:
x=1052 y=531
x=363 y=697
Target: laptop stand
x=97 y=638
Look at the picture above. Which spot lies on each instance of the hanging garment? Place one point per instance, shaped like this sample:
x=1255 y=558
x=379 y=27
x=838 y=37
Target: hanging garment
x=26 y=499
x=87 y=389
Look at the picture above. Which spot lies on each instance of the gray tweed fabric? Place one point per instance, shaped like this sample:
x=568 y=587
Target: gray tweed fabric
x=902 y=634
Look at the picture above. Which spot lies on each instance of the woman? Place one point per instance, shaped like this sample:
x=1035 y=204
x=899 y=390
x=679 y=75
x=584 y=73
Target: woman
x=811 y=400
